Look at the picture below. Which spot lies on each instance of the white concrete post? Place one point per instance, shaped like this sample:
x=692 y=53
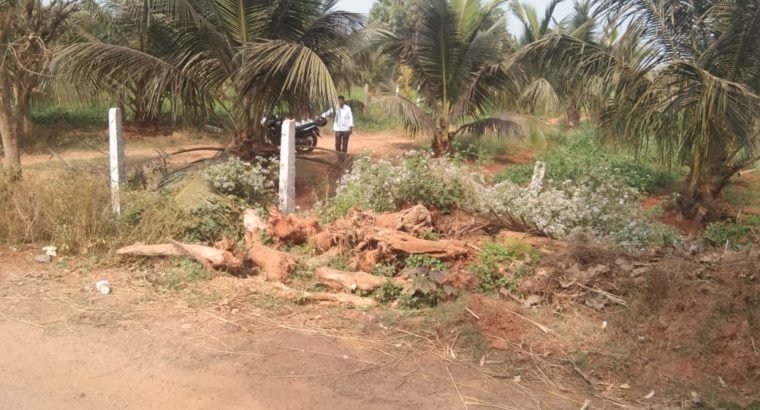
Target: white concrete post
x=366 y=94
x=288 y=167
x=116 y=150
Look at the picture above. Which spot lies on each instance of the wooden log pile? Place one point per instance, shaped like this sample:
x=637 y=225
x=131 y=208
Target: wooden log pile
x=369 y=238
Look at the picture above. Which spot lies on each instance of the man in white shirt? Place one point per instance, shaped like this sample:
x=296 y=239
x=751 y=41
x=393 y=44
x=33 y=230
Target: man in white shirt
x=343 y=124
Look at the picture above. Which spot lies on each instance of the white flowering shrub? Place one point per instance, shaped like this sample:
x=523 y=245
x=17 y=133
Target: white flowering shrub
x=600 y=205
x=253 y=182
x=387 y=185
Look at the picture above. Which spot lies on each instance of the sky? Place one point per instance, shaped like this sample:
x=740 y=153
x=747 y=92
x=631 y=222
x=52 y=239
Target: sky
x=562 y=11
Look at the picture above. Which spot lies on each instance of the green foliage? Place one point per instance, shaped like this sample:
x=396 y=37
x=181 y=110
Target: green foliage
x=386 y=271
x=78 y=114
x=207 y=223
x=733 y=235
x=501 y=265
x=252 y=182
x=389 y=293
x=373 y=120
x=426 y=262
x=583 y=155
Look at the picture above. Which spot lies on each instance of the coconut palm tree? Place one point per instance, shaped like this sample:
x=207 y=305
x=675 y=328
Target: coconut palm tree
x=268 y=53
x=456 y=60
x=533 y=28
x=692 y=91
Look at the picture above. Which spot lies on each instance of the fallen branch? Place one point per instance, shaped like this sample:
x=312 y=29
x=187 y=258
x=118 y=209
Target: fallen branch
x=534 y=323
x=282 y=291
x=609 y=296
x=211 y=258
x=406 y=243
x=352 y=281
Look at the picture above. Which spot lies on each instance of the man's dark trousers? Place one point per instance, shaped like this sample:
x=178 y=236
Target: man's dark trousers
x=341 y=141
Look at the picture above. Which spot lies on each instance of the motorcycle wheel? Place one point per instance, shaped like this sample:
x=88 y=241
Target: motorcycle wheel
x=311 y=143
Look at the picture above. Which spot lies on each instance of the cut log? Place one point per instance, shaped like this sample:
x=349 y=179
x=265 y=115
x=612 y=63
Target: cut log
x=408 y=244
x=291 y=229
x=538 y=241
x=211 y=258
x=412 y=220
x=349 y=281
x=282 y=291
x=276 y=265
x=141 y=249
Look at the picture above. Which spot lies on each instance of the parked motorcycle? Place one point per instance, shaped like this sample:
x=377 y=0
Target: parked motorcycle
x=307 y=134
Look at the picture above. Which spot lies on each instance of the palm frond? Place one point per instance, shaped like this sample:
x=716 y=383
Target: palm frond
x=505 y=127
x=548 y=16
x=540 y=97
x=271 y=69
x=98 y=66
x=415 y=120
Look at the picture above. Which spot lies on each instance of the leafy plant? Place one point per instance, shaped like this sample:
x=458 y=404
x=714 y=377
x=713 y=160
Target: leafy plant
x=185 y=271
x=501 y=265
x=209 y=222
x=253 y=182
x=726 y=234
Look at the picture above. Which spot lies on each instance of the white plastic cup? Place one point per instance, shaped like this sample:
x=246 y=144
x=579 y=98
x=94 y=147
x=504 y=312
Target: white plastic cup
x=103 y=287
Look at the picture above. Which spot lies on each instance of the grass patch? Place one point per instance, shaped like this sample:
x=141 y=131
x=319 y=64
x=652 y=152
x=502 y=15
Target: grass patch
x=581 y=154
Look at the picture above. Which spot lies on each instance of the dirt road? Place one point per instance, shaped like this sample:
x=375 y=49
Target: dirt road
x=218 y=345
x=362 y=143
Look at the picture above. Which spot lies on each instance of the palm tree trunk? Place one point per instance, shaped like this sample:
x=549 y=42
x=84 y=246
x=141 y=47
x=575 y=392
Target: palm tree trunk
x=705 y=187
x=442 y=139
x=573 y=112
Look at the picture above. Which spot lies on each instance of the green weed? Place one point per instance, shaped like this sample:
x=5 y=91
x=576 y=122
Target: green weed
x=733 y=235
x=584 y=155
x=501 y=265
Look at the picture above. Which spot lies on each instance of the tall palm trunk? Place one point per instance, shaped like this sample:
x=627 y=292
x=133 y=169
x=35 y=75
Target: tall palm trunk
x=442 y=138
x=573 y=112
x=706 y=184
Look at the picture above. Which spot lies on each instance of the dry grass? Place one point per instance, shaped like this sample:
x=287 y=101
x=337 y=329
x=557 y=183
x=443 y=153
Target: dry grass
x=72 y=210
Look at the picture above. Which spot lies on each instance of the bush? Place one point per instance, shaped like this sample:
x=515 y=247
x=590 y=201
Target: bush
x=584 y=156
x=387 y=185
x=253 y=182
x=602 y=205
x=72 y=211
